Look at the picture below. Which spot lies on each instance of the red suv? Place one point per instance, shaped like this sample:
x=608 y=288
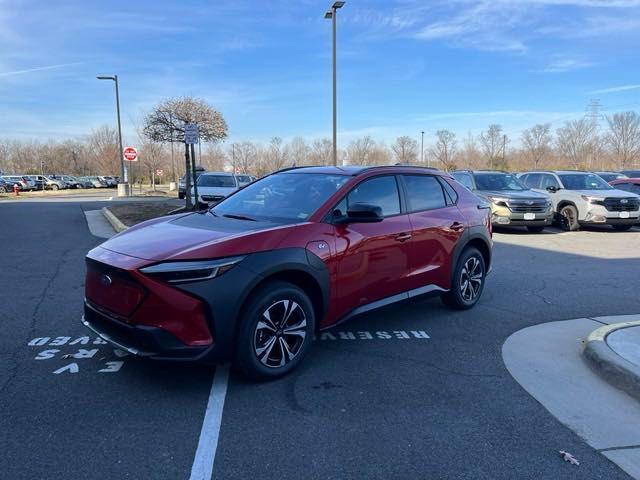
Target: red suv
x=255 y=277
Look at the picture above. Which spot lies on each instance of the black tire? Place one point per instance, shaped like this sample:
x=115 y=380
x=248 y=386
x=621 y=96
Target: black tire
x=3 y=190
x=458 y=296
x=535 y=229
x=569 y=218
x=55 y=187
x=622 y=228
x=254 y=358
x=181 y=195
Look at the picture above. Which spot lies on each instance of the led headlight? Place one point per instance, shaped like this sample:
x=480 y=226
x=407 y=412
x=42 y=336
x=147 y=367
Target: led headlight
x=192 y=271
x=596 y=200
x=501 y=201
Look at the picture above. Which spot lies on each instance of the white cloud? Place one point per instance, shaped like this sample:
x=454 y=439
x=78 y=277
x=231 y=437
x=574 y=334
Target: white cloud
x=622 y=88
x=561 y=65
x=38 y=69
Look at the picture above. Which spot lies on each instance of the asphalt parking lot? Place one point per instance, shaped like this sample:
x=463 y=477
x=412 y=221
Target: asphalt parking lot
x=411 y=391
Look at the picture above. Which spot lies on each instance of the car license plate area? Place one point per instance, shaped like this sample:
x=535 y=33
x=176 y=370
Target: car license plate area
x=529 y=216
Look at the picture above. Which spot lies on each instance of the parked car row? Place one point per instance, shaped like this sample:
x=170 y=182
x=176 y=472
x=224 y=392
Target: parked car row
x=537 y=199
x=54 y=182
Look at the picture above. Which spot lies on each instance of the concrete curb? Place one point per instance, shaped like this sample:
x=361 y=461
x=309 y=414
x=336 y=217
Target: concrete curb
x=608 y=364
x=115 y=222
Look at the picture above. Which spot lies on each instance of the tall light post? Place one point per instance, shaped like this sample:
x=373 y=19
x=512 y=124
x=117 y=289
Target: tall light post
x=332 y=14
x=122 y=191
x=422 y=148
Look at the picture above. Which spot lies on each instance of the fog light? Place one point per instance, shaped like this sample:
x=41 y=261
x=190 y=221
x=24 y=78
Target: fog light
x=599 y=219
x=501 y=220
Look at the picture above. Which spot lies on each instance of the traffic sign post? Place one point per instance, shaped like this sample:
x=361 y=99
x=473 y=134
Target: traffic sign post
x=129 y=154
x=191 y=133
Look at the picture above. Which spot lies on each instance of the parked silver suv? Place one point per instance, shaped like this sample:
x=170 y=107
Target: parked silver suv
x=584 y=198
x=512 y=203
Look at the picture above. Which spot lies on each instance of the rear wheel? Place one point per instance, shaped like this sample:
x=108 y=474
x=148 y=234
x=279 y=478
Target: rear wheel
x=54 y=187
x=569 y=218
x=535 y=229
x=622 y=228
x=276 y=331
x=3 y=189
x=467 y=283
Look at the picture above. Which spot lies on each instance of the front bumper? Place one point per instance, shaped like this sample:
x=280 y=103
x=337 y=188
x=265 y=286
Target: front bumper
x=599 y=215
x=140 y=340
x=502 y=216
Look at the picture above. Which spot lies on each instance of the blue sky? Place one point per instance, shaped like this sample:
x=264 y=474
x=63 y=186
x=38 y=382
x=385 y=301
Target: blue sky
x=404 y=65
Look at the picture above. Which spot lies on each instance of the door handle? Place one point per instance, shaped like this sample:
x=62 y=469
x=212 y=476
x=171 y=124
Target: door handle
x=456 y=226
x=403 y=237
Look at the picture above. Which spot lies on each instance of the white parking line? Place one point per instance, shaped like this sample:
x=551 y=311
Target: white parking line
x=202 y=468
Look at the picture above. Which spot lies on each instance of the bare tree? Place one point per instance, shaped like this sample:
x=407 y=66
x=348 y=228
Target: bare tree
x=574 y=141
x=405 y=150
x=246 y=155
x=494 y=144
x=214 y=158
x=624 y=137
x=298 y=151
x=359 y=150
x=275 y=155
x=321 y=152
x=165 y=123
x=104 y=151
x=152 y=157
x=536 y=142
x=445 y=149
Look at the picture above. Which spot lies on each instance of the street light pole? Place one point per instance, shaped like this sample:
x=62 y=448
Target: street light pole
x=122 y=192
x=332 y=14
x=422 y=148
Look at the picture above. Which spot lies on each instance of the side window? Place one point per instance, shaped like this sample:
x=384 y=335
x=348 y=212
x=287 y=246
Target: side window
x=380 y=191
x=549 y=181
x=424 y=192
x=531 y=180
x=452 y=195
x=627 y=187
x=464 y=179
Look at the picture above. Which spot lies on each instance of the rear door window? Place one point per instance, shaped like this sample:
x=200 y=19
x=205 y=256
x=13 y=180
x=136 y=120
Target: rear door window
x=548 y=180
x=424 y=192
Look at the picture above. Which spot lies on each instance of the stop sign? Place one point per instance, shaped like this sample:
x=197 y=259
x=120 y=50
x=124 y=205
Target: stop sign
x=130 y=154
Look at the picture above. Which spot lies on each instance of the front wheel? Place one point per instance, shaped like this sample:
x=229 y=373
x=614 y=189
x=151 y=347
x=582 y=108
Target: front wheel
x=275 y=332
x=535 y=229
x=54 y=187
x=622 y=228
x=569 y=218
x=467 y=283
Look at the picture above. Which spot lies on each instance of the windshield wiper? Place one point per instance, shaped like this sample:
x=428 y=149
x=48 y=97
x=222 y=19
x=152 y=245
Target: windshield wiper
x=238 y=217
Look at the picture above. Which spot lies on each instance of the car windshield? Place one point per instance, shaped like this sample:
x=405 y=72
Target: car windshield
x=283 y=197
x=584 y=181
x=498 y=181
x=226 y=181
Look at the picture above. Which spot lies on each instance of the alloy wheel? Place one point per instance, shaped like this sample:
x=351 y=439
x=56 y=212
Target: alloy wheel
x=471 y=279
x=280 y=333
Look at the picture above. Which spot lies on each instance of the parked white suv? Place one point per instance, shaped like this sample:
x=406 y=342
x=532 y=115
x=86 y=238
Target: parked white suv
x=584 y=198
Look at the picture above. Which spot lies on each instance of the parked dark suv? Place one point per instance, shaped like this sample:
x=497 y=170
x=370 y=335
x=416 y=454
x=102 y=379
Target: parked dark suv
x=512 y=203
x=253 y=278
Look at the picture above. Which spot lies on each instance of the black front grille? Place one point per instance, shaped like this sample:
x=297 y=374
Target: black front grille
x=528 y=206
x=621 y=204
x=212 y=198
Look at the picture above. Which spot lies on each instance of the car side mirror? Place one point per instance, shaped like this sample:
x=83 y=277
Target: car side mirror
x=363 y=213
x=552 y=189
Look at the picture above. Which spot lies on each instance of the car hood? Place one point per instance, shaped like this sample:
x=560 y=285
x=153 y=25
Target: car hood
x=215 y=190
x=604 y=193
x=525 y=194
x=167 y=237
